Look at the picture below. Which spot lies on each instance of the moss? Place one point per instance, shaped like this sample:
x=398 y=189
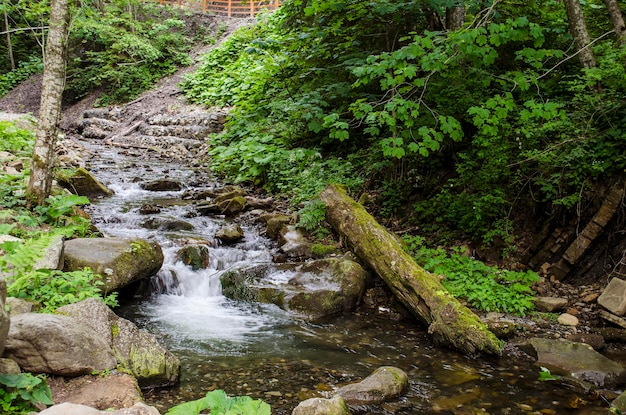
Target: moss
x=322 y=250
x=115 y=330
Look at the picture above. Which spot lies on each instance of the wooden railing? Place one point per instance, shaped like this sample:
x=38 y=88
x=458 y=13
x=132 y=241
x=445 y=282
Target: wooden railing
x=228 y=8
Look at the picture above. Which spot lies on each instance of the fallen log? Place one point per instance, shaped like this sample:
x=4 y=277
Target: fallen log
x=450 y=322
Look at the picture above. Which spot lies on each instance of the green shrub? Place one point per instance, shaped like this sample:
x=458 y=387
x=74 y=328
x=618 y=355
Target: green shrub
x=22 y=392
x=218 y=403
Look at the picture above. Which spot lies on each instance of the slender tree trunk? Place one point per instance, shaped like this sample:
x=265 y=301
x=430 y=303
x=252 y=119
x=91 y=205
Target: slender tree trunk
x=455 y=17
x=578 y=29
x=615 y=14
x=449 y=321
x=9 y=44
x=52 y=87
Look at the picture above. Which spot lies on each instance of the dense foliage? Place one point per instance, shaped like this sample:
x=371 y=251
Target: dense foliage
x=464 y=132
x=36 y=230
x=119 y=48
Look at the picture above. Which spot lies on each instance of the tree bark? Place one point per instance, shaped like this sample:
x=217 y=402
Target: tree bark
x=448 y=321
x=53 y=83
x=455 y=17
x=578 y=29
x=617 y=19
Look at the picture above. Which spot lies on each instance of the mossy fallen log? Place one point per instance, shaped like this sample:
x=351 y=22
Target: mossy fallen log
x=450 y=322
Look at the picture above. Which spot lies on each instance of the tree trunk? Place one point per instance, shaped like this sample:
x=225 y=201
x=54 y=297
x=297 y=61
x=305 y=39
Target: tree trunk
x=578 y=29
x=615 y=14
x=9 y=44
x=448 y=321
x=52 y=87
x=455 y=17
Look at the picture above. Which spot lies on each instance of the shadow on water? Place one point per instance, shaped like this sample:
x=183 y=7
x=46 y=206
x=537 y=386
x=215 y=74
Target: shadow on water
x=258 y=350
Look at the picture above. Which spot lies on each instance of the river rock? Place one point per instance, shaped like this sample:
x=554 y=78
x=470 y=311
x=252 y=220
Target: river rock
x=149 y=209
x=136 y=351
x=196 y=256
x=175 y=225
x=75 y=409
x=229 y=234
x=293 y=243
x=550 y=304
x=384 y=383
x=111 y=391
x=57 y=345
x=613 y=298
x=161 y=185
x=320 y=406
x=83 y=183
x=274 y=223
x=9 y=366
x=20 y=306
x=310 y=290
x=4 y=316
x=120 y=261
x=577 y=360
x=227 y=207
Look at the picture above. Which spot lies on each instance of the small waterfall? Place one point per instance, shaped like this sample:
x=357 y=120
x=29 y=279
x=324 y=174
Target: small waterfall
x=187 y=306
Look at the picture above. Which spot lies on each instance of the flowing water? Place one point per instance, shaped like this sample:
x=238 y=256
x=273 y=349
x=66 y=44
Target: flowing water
x=258 y=350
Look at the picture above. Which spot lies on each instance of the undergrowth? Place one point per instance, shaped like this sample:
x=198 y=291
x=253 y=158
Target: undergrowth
x=30 y=232
x=483 y=287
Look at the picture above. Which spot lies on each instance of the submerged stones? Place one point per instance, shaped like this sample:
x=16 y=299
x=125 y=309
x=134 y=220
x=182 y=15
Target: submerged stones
x=577 y=360
x=385 y=383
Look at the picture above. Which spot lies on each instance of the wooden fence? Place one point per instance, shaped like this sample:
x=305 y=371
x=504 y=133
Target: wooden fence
x=228 y=8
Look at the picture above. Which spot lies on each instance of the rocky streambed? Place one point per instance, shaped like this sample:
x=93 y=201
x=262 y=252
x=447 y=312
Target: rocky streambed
x=259 y=342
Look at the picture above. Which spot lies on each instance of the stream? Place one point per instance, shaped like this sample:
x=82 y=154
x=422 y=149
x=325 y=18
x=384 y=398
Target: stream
x=260 y=351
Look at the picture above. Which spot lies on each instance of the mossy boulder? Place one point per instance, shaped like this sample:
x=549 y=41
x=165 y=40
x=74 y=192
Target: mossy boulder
x=120 y=261
x=136 y=351
x=194 y=256
x=83 y=183
x=310 y=290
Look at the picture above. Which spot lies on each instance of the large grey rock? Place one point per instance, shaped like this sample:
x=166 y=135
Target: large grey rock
x=120 y=261
x=613 y=298
x=310 y=290
x=384 y=383
x=320 y=406
x=4 y=316
x=58 y=345
x=75 y=409
x=578 y=360
x=137 y=351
